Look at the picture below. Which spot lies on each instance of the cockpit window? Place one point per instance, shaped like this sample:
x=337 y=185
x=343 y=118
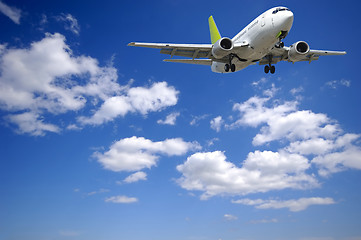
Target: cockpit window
x=280 y=9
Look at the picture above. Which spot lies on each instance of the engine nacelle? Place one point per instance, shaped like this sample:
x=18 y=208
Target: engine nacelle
x=222 y=47
x=298 y=50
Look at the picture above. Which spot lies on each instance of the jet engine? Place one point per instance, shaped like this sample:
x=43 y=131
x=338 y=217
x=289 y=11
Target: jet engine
x=222 y=47
x=297 y=51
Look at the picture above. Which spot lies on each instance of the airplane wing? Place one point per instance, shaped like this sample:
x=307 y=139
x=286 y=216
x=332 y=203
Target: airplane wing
x=184 y=50
x=192 y=51
x=281 y=54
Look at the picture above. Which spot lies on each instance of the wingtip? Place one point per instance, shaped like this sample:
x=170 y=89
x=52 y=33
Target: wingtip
x=131 y=44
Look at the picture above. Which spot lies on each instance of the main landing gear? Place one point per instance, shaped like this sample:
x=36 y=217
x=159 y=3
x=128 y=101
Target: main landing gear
x=227 y=67
x=230 y=65
x=269 y=68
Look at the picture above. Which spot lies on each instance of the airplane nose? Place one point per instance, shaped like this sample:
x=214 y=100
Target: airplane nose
x=289 y=16
x=287 y=20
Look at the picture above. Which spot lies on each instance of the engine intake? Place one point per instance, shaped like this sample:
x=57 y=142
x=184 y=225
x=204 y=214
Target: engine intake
x=222 y=47
x=298 y=50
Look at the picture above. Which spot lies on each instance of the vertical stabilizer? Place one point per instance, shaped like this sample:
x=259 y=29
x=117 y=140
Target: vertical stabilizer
x=215 y=36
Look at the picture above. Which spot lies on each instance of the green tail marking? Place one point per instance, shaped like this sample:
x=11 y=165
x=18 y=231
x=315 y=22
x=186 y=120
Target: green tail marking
x=215 y=36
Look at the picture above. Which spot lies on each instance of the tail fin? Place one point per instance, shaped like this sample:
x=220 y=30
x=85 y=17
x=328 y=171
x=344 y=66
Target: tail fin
x=215 y=36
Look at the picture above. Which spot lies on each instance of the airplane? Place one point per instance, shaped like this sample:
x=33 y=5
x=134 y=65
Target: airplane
x=260 y=42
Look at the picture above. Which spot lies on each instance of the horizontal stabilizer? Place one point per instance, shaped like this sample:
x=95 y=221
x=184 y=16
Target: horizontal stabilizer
x=191 y=61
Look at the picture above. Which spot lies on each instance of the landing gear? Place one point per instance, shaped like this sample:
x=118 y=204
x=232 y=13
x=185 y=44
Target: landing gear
x=270 y=68
x=280 y=44
x=230 y=65
x=281 y=36
x=227 y=67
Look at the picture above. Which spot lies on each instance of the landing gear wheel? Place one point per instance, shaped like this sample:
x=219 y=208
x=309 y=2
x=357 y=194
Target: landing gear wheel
x=226 y=67
x=266 y=69
x=273 y=69
x=233 y=67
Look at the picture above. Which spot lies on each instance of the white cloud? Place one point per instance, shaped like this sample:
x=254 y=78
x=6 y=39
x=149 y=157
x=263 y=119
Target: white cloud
x=11 y=12
x=304 y=138
x=102 y=190
x=336 y=83
x=210 y=173
x=121 y=199
x=295 y=91
x=312 y=135
x=31 y=123
x=71 y=23
x=262 y=81
x=155 y=98
x=230 y=217
x=136 y=153
x=47 y=78
x=212 y=141
x=170 y=119
x=196 y=119
x=136 y=99
x=294 y=205
x=254 y=111
x=217 y=123
x=338 y=161
x=135 y=177
x=110 y=109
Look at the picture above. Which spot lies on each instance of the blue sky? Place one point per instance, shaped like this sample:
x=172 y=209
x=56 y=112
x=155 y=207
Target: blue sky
x=104 y=141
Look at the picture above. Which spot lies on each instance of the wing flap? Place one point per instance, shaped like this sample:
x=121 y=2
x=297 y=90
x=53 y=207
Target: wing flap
x=191 y=61
x=184 y=50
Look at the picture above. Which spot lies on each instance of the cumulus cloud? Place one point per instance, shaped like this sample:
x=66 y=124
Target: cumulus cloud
x=135 y=177
x=47 y=78
x=170 y=119
x=306 y=140
x=136 y=99
x=212 y=174
x=312 y=135
x=11 y=12
x=31 y=123
x=136 y=153
x=121 y=199
x=294 y=205
x=216 y=123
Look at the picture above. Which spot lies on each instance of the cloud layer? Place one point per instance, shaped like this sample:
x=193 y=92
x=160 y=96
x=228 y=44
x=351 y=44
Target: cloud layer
x=305 y=139
x=48 y=79
x=294 y=205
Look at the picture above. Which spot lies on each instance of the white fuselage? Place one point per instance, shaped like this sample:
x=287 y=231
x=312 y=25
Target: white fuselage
x=261 y=35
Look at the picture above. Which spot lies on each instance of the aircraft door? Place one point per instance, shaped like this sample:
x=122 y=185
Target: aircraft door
x=263 y=22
